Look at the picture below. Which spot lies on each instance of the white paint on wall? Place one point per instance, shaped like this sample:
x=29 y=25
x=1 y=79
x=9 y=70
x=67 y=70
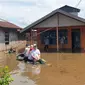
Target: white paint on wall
x=68 y=21
x=50 y=22
x=13 y=36
x=13 y=39
x=2 y=37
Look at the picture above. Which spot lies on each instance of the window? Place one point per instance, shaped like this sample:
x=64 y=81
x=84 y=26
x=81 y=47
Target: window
x=51 y=35
x=27 y=36
x=63 y=36
x=6 y=38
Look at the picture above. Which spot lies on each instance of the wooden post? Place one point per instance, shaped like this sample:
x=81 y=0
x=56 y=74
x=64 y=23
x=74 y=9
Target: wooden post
x=57 y=28
x=31 y=38
x=57 y=39
x=57 y=32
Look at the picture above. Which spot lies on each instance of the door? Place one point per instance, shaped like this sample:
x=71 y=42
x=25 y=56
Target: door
x=76 y=40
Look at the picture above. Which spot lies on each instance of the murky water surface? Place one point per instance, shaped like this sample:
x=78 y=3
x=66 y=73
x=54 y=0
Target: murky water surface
x=60 y=69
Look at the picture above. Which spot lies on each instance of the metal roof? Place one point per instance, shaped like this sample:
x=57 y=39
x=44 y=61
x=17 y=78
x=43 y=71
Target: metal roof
x=49 y=15
x=6 y=24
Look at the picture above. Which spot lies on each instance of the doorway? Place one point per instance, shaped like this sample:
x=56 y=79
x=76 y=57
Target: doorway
x=76 y=40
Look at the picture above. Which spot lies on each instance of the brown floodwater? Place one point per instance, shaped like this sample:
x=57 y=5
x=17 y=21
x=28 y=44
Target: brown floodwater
x=60 y=69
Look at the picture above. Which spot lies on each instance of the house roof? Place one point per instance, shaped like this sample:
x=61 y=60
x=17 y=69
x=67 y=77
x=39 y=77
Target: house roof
x=67 y=8
x=49 y=15
x=6 y=24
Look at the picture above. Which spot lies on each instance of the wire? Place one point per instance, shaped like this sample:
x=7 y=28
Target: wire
x=78 y=3
x=42 y=32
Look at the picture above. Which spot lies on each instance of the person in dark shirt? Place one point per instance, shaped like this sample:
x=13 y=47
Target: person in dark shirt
x=62 y=41
x=46 y=42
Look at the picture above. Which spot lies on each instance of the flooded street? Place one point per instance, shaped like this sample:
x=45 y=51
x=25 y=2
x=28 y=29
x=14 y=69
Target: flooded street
x=60 y=69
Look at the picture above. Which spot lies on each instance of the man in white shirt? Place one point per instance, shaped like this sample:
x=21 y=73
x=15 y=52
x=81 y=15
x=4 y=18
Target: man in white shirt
x=34 y=54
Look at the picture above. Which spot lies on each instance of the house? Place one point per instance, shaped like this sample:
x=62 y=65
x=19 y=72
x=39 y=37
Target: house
x=9 y=34
x=63 y=23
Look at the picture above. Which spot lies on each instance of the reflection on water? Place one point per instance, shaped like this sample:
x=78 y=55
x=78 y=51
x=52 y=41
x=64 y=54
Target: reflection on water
x=21 y=66
x=21 y=74
x=21 y=80
x=61 y=69
x=36 y=70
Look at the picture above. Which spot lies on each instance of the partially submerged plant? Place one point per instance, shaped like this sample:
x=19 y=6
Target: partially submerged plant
x=5 y=77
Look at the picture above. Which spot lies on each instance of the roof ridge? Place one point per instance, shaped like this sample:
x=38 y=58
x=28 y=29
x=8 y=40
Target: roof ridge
x=8 y=24
x=69 y=7
x=3 y=20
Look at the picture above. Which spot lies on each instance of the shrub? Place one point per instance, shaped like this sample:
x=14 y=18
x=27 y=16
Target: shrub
x=5 y=77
